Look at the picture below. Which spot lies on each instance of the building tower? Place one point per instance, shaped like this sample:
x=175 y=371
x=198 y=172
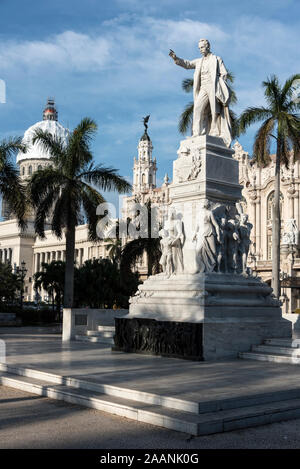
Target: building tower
x=144 y=167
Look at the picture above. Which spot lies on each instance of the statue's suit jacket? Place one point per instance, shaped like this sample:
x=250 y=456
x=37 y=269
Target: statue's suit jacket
x=216 y=69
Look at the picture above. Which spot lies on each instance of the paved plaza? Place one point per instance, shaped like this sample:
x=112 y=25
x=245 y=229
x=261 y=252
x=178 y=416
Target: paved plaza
x=193 y=398
x=188 y=380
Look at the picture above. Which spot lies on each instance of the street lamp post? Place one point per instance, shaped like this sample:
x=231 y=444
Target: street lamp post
x=22 y=271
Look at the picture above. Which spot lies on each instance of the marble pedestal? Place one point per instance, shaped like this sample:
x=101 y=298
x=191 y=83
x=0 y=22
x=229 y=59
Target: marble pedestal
x=235 y=309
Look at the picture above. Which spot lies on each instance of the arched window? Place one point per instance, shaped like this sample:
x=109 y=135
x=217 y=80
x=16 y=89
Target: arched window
x=23 y=171
x=270 y=205
x=150 y=178
x=39 y=167
x=30 y=170
x=143 y=178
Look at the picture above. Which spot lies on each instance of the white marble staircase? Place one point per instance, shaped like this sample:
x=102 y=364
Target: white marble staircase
x=275 y=350
x=103 y=335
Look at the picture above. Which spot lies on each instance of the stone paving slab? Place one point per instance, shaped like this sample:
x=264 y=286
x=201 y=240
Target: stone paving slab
x=194 y=381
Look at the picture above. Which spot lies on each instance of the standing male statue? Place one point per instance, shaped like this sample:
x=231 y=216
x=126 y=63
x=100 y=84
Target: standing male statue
x=211 y=94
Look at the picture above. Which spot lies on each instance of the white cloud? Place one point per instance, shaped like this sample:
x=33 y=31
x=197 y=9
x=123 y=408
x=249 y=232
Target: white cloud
x=69 y=49
x=121 y=41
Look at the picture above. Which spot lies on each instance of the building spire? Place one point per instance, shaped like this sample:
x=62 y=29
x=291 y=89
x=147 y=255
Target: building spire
x=144 y=168
x=50 y=112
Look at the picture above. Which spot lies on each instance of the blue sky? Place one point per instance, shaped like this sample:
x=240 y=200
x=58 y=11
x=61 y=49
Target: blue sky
x=109 y=60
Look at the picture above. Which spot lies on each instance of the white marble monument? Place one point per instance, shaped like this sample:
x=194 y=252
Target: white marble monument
x=206 y=238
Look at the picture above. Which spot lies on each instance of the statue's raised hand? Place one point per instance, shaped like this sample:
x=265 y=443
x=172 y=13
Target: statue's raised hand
x=172 y=54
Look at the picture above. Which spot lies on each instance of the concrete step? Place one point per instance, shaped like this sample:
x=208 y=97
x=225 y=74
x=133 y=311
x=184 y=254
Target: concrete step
x=8 y=323
x=7 y=317
x=109 y=334
x=165 y=401
x=106 y=329
x=157 y=399
x=195 y=424
x=269 y=357
x=127 y=393
x=276 y=350
x=295 y=343
x=99 y=340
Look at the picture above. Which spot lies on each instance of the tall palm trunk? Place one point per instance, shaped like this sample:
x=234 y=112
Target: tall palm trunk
x=69 y=273
x=276 y=227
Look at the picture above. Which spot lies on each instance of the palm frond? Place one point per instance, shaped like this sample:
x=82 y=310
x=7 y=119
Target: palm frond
x=234 y=124
x=105 y=178
x=186 y=118
x=289 y=88
x=251 y=115
x=52 y=144
x=261 y=147
x=187 y=85
x=42 y=182
x=272 y=91
x=91 y=199
x=11 y=188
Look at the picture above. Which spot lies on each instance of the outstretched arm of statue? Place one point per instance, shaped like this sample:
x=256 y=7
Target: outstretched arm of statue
x=181 y=62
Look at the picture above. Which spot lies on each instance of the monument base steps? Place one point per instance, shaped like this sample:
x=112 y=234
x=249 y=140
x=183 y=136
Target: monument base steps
x=194 y=418
x=103 y=335
x=275 y=350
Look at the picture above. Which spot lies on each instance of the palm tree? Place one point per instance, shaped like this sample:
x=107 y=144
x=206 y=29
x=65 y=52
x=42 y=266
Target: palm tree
x=64 y=190
x=186 y=118
x=52 y=279
x=135 y=248
x=282 y=123
x=114 y=248
x=11 y=189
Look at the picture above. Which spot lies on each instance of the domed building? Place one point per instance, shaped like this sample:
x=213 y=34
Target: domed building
x=18 y=246
x=36 y=157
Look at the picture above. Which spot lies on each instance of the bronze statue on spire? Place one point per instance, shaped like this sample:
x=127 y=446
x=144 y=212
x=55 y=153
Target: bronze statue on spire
x=146 y=119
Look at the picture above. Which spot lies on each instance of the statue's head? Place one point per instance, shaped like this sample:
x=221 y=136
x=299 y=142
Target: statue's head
x=204 y=46
x=163 y=233
x=172 y=213
x=244 y=218
x=206 y=204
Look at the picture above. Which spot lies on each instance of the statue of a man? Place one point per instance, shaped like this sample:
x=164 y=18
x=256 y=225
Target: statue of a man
x=211 y=94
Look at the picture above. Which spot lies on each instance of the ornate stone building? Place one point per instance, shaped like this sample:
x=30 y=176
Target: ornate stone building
x=258 y=200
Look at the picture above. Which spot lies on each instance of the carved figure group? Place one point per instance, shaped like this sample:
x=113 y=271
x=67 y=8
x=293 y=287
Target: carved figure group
x=222 y=240
x=159 y=337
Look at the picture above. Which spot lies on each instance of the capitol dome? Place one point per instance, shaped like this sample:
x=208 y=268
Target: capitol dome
x=48 y=124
